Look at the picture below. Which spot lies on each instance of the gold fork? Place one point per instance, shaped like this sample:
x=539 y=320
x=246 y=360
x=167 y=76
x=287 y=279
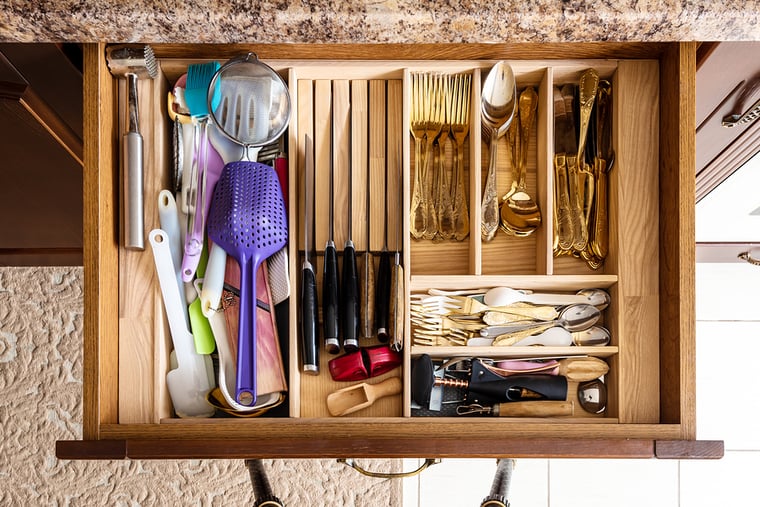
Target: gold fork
x=434 y=112
x=459 y=129
x=444 y=197
x=418 y=124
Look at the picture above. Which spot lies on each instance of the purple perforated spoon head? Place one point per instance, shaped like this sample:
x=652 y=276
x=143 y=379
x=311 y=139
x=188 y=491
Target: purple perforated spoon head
x=249 y=221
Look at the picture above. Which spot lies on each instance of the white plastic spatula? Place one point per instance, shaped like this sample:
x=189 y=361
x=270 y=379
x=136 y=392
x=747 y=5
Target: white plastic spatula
x=189 y=382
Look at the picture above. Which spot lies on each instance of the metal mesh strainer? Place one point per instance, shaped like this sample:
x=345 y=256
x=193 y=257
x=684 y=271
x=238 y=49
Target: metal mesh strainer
x=254 y=109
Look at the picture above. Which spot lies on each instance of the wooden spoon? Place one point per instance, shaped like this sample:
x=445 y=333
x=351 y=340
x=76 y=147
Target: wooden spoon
x=354 y=398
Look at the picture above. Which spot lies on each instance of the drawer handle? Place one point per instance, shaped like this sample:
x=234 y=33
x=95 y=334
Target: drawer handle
x=392 y=475
x=750 y=115
x=747 y=256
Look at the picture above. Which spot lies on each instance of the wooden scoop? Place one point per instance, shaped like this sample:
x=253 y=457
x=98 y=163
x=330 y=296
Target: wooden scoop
x=353 y=398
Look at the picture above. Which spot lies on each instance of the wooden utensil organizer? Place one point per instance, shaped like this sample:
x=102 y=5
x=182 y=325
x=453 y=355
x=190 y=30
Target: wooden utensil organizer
x=649 y=271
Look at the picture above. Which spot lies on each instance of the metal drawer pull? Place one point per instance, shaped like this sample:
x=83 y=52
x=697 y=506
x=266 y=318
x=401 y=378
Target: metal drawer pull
x=382 y=475
x=751 y=114
x=747 y=256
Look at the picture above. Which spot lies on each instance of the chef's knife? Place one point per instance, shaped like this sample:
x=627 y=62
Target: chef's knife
x=309 y=324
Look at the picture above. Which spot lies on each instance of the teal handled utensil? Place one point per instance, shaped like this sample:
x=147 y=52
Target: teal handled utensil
x=199 y=78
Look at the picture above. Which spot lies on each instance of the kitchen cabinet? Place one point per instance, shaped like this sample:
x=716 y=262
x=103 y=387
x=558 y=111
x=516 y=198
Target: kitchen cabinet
x=649 y=272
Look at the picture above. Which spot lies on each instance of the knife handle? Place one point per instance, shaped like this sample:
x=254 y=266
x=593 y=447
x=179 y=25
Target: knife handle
x=382 y=296
x=350 y=299
x=367 y=295
x=539 y=408
x=309 y=324
x=396 y=307
x=564 y=216
x=580 y=233
x=330 y=299
x=589 y=187
x=600 y=243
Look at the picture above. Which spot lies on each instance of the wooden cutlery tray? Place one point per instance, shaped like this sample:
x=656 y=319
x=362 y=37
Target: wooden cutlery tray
x=649 y=271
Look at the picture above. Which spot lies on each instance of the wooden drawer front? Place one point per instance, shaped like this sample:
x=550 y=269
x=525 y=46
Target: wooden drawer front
x=651 y=307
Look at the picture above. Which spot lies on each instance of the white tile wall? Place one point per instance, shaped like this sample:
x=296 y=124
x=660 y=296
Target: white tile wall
x=622 y=483
x=465 y=482
x=728 y=409
x=728 y=292
x=728 y=481
x=728 y=383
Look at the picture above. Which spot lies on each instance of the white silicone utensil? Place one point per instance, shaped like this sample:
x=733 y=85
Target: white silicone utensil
x=169 y=220
x=188 y=383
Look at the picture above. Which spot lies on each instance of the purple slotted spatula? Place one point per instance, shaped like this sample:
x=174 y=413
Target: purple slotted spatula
x=248 y=219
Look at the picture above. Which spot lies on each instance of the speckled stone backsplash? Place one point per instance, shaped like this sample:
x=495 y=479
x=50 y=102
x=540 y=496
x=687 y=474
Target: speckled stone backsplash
x=220 y=21
x=41 y=402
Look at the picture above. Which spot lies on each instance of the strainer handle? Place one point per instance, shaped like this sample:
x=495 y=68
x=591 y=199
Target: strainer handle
x=245 y=388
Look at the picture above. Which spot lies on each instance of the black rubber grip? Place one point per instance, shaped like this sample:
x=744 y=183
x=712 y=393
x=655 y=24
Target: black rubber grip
x=350 y=306
x=382 y=296
x=309 y=321
x=330 y=294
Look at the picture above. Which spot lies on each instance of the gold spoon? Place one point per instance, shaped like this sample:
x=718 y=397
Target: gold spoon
x=520 y=215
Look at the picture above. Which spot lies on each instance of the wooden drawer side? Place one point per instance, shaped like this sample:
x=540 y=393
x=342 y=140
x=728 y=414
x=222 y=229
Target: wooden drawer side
x=100 y=241
x=677 y=240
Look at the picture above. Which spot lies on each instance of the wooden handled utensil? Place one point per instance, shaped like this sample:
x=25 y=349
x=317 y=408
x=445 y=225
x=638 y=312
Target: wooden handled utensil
x=357 y=397
x=543 y=408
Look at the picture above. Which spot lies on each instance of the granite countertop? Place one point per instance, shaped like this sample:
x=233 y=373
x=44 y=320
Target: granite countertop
x=385 y=21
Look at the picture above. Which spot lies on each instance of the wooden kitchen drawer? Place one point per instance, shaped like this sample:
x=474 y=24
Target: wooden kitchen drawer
x=649 y=271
